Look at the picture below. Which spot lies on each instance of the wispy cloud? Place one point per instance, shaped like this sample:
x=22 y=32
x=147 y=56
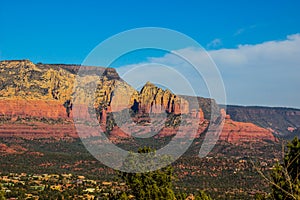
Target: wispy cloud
x=263 y=74
x=242 y=30
x=239 y=31
x=215 y=43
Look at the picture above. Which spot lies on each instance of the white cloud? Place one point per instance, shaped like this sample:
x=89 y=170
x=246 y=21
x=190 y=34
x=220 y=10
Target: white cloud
x=261 y=74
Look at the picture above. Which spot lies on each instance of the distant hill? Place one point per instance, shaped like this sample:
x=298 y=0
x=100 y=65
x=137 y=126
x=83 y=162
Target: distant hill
x=284 y=122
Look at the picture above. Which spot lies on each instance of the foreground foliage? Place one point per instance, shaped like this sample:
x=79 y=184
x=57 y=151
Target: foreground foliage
x=152 y=184
x=285 y=181
x=286 y=175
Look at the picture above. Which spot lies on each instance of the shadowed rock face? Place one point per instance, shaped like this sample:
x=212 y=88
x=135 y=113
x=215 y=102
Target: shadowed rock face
x=33 y=102
x=111 y=74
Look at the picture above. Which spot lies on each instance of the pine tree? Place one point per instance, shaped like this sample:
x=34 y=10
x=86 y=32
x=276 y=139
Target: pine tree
x=153 y=185
x=2 y=196
x=149 y=185
x=286 y=182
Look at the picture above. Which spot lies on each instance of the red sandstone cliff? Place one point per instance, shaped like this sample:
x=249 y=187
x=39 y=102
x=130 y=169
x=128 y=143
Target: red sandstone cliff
x=238 y=132
x=32 y=108
x=36 y=92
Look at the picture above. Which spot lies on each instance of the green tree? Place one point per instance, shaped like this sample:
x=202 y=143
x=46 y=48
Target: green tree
x=118 y=196
x=148 y=185
x=154 y=185
x=200 y=196
x=2 y=196
x=285 y=176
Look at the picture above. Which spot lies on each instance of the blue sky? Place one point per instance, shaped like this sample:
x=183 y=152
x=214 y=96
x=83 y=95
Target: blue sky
x=66 y=31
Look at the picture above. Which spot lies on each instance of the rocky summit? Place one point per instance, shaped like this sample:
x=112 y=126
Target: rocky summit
x=39 y=100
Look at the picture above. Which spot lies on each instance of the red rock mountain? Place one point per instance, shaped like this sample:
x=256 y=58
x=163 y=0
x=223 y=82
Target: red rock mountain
x=239 y=132
x=36 y=100
x=284 y=122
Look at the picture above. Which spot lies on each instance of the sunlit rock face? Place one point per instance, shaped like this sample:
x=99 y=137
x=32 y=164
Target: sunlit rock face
x=37 y=100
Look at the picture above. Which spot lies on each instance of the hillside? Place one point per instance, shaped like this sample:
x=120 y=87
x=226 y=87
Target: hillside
x=283 y=122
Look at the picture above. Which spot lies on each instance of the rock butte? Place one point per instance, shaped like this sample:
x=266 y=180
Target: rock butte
x=31 y=95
